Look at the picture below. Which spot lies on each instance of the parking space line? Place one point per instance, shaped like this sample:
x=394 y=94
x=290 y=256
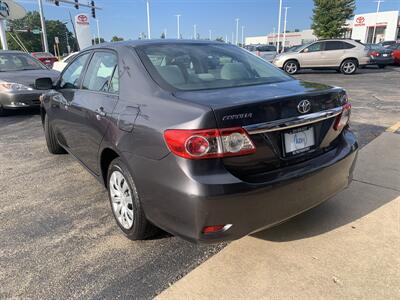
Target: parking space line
x=394 y=128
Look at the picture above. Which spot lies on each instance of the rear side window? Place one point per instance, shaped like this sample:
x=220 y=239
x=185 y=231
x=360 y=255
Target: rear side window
x=71 y=75
x=334 y=45
x=348 y=46
x=99 y=75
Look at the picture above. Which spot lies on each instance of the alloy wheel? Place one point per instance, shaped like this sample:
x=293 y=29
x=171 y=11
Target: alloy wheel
x=121 y=199
x=349 y=67
x=291 y=68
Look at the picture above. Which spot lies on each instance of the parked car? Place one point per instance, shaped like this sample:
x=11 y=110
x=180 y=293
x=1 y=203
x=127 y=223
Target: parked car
x=396 y=53
x=60 y=65
x=18 y=72
x=205 y=154
x=45 y=57
x=380 y=55
x=386 y=44
x=342 y=55
x=293 y=48
x=267 y=52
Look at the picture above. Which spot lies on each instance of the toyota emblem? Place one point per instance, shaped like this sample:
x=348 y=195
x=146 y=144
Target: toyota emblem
x=304 y=106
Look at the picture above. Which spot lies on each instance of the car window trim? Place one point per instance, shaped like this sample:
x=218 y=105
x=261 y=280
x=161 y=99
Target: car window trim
x=94 y=51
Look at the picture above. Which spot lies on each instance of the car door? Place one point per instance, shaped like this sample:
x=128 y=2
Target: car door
x=333 y=53
x=92 y=106
x=63 y=95
x=312 y=55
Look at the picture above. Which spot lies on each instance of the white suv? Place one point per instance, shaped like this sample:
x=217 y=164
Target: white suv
x=344 y=55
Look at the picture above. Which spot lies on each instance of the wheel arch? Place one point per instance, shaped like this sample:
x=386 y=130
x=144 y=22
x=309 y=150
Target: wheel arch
x=106 y=157
x=291 y=59
x=350 y=58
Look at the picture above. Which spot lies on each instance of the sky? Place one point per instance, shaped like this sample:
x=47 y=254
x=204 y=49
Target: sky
x=127 y=18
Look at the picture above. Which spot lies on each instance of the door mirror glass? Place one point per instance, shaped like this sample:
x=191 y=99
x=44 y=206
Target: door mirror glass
x=305 y=50
x=43 y=83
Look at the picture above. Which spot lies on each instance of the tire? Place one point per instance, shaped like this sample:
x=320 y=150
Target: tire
x=349 y=66
x=381 y=66
x=128 y=211
x=52 y=144
x=2 y=111
x=291 y=67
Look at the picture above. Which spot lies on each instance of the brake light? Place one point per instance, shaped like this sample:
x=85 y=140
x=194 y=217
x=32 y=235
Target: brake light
x=374 y=53
x=209 y=143
x=343 y=119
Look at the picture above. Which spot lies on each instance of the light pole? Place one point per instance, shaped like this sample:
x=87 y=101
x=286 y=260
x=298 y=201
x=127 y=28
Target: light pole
x=237 y=31
x=376 y=19
x=194 y=32
x=165 y=33
x=148 y=20
x=226 y=39
x=274 y=38
x=242 y=36
x=284 y=28
x=209 y=34
x=98 y=31
x=279 y=25
x=178 y=18
x=45 y=43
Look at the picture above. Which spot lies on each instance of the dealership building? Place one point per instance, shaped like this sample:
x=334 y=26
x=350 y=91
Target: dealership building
x=386 y=24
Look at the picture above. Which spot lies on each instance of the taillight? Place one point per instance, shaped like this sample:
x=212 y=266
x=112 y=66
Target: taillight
x=209 y=143
x=374 y=53
x=343 y=119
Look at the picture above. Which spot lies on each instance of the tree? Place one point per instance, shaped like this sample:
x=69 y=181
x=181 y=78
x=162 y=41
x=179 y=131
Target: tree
x=330 y=16
x=220 y=39
x=116 y=39
x=33 y=41
x=162 y=36
x=95 y=41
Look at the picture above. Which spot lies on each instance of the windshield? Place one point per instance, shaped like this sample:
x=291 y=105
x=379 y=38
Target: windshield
x=18 y=62
x=206 y=66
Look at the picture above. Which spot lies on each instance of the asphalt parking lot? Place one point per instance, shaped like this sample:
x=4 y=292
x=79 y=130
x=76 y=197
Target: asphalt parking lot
x=58 y=238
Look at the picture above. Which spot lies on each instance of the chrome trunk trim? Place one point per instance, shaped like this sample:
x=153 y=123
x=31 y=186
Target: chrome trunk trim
x=293 y=122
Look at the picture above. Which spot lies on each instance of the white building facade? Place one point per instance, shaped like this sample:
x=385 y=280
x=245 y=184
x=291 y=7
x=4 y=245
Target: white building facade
x=386 y=26
x=291 y=39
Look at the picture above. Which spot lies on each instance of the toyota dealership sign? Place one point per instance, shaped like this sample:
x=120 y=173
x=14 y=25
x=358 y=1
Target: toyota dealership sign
x=82 y=25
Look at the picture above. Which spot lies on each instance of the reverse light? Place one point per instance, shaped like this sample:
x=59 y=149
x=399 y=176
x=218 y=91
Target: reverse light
x=343 y=119
x=209 y=143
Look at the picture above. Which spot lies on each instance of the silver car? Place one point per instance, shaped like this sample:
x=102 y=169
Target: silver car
x=343 y=55
x=267 y=52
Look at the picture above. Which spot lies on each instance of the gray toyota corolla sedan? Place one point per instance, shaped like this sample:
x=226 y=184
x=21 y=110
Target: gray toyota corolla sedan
x=18 y=72
x=201 y=139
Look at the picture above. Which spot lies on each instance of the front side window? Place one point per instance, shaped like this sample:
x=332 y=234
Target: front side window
x=10 y=62
x=71 y=75
x=99 y=75
x=206 y=66
x=314 y=47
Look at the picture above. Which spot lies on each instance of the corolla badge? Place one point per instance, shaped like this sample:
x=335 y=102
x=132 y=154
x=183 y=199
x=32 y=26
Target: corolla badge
x=237 y=117
x=304 y=106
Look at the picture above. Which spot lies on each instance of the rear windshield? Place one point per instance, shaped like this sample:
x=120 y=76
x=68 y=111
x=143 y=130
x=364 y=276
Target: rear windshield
x=206 y=66
x=43 y=55
x=10 y=62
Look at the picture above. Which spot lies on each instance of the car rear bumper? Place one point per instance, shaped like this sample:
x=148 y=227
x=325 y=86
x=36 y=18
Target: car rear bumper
x=21 y=99
x=382 y=61
x=182 y=198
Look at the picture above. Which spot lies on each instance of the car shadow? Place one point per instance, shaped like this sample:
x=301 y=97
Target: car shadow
x=360 y=71
x=16 y=116
x=339 y=211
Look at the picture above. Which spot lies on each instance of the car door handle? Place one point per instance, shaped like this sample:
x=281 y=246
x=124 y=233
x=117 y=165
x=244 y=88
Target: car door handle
x=100 y=113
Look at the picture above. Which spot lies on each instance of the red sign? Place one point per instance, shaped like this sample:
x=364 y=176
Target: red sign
x=82 y=19
x=360 y=21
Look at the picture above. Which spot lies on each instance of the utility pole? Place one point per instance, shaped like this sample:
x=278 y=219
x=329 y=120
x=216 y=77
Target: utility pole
x=194 y=32
x=242 y=36
x=178 y=17
x=237 y=31
x=376 y=19
x=284 y=28
x=279 y=26
x=42 y=21
x=148 y=20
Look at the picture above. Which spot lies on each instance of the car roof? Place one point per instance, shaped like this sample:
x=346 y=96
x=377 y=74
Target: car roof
x=136 y=43
x=12 y=52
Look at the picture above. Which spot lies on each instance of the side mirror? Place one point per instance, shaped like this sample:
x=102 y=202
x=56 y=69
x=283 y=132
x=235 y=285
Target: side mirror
x=305 y=50
x=44 y=83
